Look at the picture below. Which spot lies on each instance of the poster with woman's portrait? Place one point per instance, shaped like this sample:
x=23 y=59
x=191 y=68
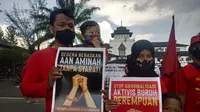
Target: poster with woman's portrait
x=82 y=80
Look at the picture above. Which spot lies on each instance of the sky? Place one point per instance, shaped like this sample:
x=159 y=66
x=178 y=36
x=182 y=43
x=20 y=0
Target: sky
x=147 y=19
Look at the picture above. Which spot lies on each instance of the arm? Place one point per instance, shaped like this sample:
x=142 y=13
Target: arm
x=182 y=86
x=89 y=101
x=70 y=98
x=31 y=85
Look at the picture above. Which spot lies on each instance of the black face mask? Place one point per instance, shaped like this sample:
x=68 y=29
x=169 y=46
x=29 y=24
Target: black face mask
x=65 y=37
x=196 y=53
x=145 y=65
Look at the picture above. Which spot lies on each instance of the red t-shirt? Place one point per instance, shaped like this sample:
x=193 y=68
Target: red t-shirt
x=34 y=83
x=189 y=83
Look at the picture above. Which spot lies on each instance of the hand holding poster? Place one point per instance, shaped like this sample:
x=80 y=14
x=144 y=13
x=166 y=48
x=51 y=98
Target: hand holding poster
x=136 y=94
x=82 y=76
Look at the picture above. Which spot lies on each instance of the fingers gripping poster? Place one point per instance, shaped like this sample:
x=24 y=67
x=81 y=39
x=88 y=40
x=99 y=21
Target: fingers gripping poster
x=136 y=94
x=79 y=88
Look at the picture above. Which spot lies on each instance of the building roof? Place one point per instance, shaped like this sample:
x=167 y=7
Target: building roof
x=121 y=30
x=164 y=44
x=122 y=47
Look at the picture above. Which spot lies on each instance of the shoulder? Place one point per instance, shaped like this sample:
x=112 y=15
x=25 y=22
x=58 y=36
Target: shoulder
x=41 y=53
x=187 y=66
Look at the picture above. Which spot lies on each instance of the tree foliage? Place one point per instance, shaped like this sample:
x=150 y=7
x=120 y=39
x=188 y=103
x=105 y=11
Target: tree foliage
x=1 y=34
x=11 y=35
x=25 y=25
x=81 y=14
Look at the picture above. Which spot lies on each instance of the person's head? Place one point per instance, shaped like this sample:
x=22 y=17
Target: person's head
x=194 y=48
x=62 y=26
x=90 y=30
x=171 y=102
x=141 y=60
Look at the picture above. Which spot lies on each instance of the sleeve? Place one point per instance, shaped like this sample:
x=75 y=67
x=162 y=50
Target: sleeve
x=182 y=82
x=31 y=85
x=163 y=87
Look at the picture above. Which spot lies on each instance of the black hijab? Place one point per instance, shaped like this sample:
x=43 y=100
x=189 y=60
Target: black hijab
x=133 y=69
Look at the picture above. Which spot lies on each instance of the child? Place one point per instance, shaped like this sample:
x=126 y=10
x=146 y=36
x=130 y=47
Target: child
x=171 y=103
x=91 y=36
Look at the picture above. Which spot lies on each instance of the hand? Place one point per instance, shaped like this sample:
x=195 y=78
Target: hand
x=96 y=42
x=83 y=82
x=75 y=81
x=53 y=75
x=109 y=104
x=104 y=92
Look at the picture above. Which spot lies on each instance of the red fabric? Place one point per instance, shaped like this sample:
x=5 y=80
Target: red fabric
x=163 y=87
x=195 y=39
x=189 y=83
x=170 y=82
x=34 y=83
x=170 y=64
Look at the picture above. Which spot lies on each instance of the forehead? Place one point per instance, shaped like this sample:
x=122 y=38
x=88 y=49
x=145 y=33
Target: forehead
x=172 y=103
x=145 y=52
x=62 y=18
x=93 y=28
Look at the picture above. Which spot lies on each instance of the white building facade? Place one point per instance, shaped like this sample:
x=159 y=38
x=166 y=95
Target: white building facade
x=121 y=42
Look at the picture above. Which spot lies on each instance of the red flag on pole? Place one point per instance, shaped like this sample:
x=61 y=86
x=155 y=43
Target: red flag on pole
x=170 y=63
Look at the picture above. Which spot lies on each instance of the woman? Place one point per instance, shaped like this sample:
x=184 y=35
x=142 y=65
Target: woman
x=139 y=64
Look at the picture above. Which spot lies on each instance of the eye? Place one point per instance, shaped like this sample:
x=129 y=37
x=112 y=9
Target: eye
x=62 y=25
x=71 y=25
x=140 y=56
x=166 y=108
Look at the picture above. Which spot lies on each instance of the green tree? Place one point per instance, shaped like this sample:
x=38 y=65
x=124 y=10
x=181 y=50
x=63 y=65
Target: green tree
x=11 y=35
x=25 y=25
x=1 y=34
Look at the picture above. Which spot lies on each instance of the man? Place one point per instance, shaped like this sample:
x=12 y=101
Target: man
x=40 y=72
x=189 y=79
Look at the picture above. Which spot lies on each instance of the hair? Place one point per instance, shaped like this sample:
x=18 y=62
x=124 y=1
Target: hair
x=66 y=12
x=87 y=25
x=171 y=95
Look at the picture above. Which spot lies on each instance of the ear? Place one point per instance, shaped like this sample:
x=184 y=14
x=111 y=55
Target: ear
x=51 y=29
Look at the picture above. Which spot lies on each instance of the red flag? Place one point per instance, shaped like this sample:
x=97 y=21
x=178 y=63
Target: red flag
x=170 y=62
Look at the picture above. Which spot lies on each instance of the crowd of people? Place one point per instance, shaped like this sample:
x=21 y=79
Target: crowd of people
x=40 y=73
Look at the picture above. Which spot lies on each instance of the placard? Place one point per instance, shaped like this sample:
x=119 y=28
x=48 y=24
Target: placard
x=135 y=94
x=82 y=79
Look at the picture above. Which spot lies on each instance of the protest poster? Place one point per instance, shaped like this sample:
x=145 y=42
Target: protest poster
x=82 y=79
x=135 y=94
x=113 y=70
